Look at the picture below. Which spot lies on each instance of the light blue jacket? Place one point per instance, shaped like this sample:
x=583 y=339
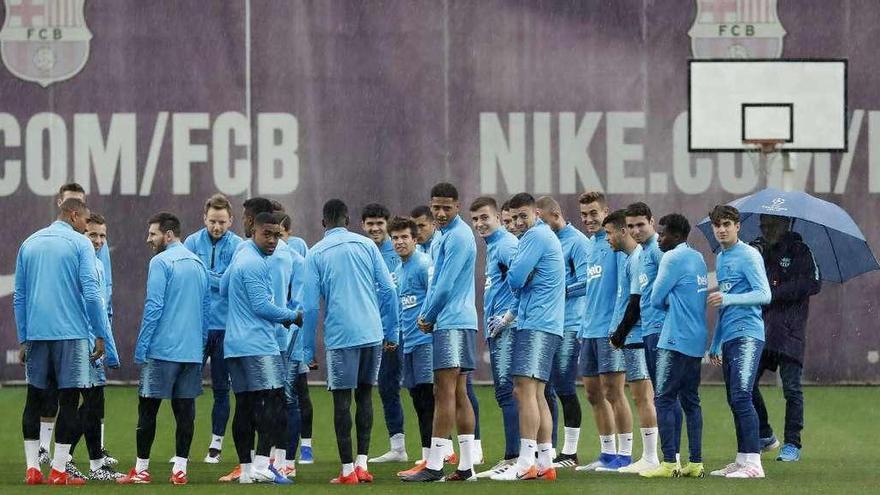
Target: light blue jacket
x=652 y=317
x=680 y=291
x=743 y=282
x=216 y=256
x=411 y=279
x=575 y=246
x=450 y=300
x=497 y=297
x=601 y=287
x=537 y=273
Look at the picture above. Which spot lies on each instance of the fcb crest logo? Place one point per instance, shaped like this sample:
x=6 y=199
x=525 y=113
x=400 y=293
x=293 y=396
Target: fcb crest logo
x=785 y=262
x=45 y=41
x=736 y=29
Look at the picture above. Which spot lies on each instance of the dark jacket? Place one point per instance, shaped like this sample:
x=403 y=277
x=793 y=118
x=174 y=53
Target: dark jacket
x=794 y=277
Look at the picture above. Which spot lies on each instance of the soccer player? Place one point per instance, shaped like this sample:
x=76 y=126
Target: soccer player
x=627 y=335
x=563 y=377
x=640 y=222
x=92 y=409
x=449 y=313
x=537 y=274
x=601 y=365
x=374 y=222
x=57 y=299
x=680 y=290
x=295 y=243
x=361 y=309
x=507 y=220
x=794 y=277
x=428 y=232
x=253 y=356
x=411 y=278
x=497 y=299
x=214 y=245
x=170 y=344
x=739 y=335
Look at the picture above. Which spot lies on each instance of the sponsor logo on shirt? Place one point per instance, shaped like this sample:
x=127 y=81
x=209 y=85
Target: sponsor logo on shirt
x=725 y=286
x=643 y=280
x=594 y=271
x=408 y=301
x=488 y=284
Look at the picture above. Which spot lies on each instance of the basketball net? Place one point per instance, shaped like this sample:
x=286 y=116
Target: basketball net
x=764 y=155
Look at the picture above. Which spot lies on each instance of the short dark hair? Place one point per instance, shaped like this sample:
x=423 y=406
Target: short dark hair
x=167 y=221
x=505 y=206
x=71 y=187
x=334 y=212
x=284 y=220
x=676 y=223
x=592 y=197
x=267 y=218
x=422 y=211
x=218 y=202
x=71 y=205
x=375 y=210
x=483 y=201
x=616 y=218
x=97 y=219
x=401 y=223
x=723 y=212
x=277 y=206
x=639 y=209
x=444 y=190
x=522 y=199
x=255 y=206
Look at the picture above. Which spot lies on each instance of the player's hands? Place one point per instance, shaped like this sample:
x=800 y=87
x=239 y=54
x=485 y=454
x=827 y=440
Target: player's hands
x=313 y=365
x=98 y=353
x=424 y=326
x=618 y=338
x=497 y=324
x=298 y=321
x=715 y=359
x=390 y=346
x=715 y=299
x=22 y=354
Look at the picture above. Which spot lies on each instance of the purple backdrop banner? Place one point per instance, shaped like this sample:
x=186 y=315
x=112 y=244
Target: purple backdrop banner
x=156 y=105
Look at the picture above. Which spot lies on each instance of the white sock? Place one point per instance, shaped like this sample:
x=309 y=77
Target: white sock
x=447 y=448
x=649 y=445
x=753 y=459
x=347 y=469
x=606 y=442
x=361 y=462
x=740 y=458
x=305 y=442
x=572 y=437
x=397 y=442
x=625 y=443
x=95 y=464
x=62 y=454
x=179 y=465
x=216 y=442
x=678 y=459
x=466 y=447
x=280 y=458
x=141 y=465
x=102 y=433
x=436 y=453
x=46 y=434
x=527 y=450
x=425 y=452
x=261 y=463
x=545 y=455
x=32 y=453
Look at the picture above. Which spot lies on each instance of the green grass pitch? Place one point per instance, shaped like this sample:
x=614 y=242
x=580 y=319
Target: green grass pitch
x=839 y=454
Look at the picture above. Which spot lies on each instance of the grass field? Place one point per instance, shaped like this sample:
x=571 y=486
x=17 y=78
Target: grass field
x=839 y=456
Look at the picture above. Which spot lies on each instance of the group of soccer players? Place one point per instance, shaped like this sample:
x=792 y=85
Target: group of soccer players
x=623 y=302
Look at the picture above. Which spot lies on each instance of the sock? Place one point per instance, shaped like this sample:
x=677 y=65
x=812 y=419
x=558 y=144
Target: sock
x=141 y=465
x=62 y=454
x=179 y=465
x=436 y=453
x=46 y=434
x=425 y=452
x=216 y=442
x=261 y=463
x=740 y=458
x=545 y=455
x=527 y=450
x=347 y=469
x=32 y=453
x=678 y=459
x=246 y=469
x=95 y=464
x=280 y=458
x=625 y=443
x=466 y=447
x=606 y=442
x=649 y=445
x=360 y=462
x=478 y=450
x=753 y=459
x=102 y=434
x=572 y=436
x=447 y=448
x=306 y=442
x=397 y=442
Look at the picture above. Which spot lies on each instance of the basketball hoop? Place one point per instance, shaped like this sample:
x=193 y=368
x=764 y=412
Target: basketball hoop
x=763 y=153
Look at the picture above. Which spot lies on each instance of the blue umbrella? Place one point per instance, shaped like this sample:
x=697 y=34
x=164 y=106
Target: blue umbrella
x=838 y=245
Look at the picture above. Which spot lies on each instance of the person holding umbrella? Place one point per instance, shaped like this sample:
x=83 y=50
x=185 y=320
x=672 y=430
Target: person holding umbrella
x=793 y=277
x=739 y=334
